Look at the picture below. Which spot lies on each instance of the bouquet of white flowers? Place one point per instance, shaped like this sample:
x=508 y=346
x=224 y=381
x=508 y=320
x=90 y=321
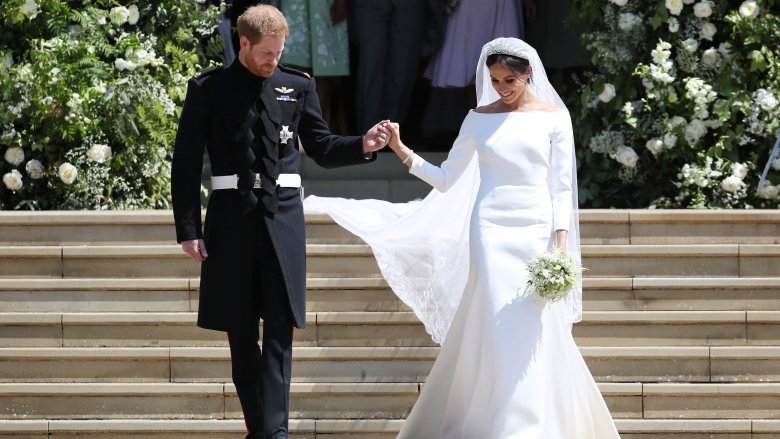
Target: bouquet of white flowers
x=553 y=274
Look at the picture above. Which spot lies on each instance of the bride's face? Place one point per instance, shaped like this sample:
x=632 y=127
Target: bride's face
x=509 y=85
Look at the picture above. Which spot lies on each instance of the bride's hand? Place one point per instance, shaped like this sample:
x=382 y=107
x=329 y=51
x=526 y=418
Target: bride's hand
x=395 y=135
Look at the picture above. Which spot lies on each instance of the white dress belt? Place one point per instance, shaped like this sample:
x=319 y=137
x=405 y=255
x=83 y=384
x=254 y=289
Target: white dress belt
x=219 y=182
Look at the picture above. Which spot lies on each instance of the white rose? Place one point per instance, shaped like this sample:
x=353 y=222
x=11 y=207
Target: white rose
x=731 y=184
x=619 y=2
x=707 y=31
x=695 y=130
x=13 y=180
x=725 y=50
x=608 y=93
x=14 y=155
x=702 y=9
x=710 y=56
x=749 y=9
x=677 y=121
x=122 y=64
x=690 y=45
x=132 y=14
x=673 y=24
x=626 y=156
x=119 y=15
x=101 y=20
x=68 y=173
x=99 y=153
x=768 y=191
x=655 y=145
x=34 y=169
x=739 y=170
x=674 y=6
x=29 y=9
x=776 y=164
x=670 y=140
x=6 y=63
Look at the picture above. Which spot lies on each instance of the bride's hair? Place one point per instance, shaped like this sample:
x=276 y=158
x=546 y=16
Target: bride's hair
x=514 y=63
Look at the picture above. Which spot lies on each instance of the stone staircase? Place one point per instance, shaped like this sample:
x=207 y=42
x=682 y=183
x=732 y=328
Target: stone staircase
x=98 y=336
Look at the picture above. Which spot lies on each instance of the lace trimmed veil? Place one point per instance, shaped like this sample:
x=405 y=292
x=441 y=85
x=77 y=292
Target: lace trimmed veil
x=422 y=247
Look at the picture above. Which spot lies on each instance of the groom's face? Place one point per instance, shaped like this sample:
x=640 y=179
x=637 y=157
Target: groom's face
x=509 y=84
x=262 y=57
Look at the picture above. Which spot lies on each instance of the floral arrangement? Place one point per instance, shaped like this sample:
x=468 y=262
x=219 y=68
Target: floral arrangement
x=553 y=274
x=89 y=98
x=681 y=106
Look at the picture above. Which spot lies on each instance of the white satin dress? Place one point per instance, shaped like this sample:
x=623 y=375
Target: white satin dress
x=509 y=367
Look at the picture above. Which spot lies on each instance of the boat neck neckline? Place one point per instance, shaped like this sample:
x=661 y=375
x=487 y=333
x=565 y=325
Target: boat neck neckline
x=518 y=112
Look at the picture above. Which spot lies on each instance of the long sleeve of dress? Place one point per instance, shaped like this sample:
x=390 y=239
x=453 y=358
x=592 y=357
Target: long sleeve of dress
x=444 y=177
x=561 y=168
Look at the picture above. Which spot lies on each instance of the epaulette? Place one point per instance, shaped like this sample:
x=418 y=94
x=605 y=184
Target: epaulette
x=207 y=72
x=286 y=69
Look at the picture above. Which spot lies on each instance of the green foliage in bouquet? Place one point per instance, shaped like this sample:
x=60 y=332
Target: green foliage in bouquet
x=90 y=94
x=552 y=275
x=681 y=106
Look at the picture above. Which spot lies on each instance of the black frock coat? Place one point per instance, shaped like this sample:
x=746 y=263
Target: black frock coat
x=219 y=114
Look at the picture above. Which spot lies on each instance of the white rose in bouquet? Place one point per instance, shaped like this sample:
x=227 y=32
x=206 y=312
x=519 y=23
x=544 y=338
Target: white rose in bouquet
x=119 y=15
x=608 y=93
x=725 y=50
x=670 y=140
x=13 y=180
x=731 y=184
x=29 y=9
x=132 y=14
x=690 y=45
x=695 y=131
x=749 y=9
x=655 y=145
x=674 y=25
x=768 y=191
x=702 y=9
x=707 y=31
x=553 y=274
x=68 y=173
x=710 y=56
x=14 y=155
x=674 y=6
x=34 y=169
x=626 y=156
x=739 y=170
x=99 y=153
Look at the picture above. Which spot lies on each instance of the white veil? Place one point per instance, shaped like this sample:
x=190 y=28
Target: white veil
x=422 y=248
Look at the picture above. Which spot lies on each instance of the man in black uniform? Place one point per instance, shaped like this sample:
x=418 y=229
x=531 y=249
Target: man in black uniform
x=253 y=250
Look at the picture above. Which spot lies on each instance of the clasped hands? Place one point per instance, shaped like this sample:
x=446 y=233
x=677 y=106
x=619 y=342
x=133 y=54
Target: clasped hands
x=380 y=135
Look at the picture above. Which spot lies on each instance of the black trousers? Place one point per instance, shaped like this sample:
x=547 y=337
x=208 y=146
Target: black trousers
x=262 y=376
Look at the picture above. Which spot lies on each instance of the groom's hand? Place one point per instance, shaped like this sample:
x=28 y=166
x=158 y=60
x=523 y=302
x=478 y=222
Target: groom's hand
x=196 y=248
x=376 y=138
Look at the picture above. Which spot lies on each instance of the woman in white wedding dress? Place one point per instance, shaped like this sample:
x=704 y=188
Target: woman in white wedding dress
x=508 y=366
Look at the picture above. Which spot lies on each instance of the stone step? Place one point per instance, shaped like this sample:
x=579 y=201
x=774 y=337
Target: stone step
x=219 y=401
x=377 y=364
x=376 y=329
x=597 y=226
x=356 y=260
x=358 y=400
x=373 y=294
x=354 y=428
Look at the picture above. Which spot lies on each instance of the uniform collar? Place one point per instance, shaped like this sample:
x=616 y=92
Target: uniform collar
x=250 y=78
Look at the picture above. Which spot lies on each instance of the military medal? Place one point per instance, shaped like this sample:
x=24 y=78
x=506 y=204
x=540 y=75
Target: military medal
x=285 y=97
x=285 y=134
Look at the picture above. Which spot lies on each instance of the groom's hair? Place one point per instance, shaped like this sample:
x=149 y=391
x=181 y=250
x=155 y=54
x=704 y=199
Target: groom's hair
x=262 y=20
x=514 y=63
